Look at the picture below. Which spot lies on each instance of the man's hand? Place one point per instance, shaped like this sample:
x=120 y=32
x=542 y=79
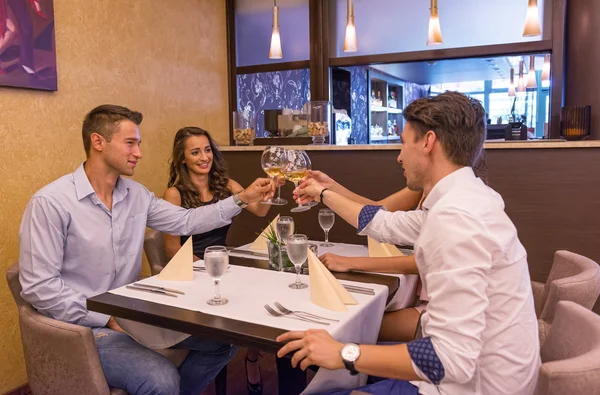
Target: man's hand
x=112 y=324
x=308 y=191
x=260 y=189
x=322 y=179
x=335 y=262
x=312 y=347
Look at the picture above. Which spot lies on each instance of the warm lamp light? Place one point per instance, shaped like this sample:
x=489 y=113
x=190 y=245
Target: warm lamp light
x=434 y=35
x=521 y=83
x=532 y=20
x=275 y=50
x=350 y=39
x=546 y=68
x=531 y=77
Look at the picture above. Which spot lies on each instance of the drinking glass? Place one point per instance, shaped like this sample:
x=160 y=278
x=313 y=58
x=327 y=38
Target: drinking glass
x=216 y=262
x=297 y=248
x=285 y=228
x=309 y=167
x=326 y=220
x=295 y=168
x=271 y=162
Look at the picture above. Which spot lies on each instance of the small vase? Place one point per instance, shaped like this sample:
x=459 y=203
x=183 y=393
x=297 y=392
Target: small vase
x=274 y=256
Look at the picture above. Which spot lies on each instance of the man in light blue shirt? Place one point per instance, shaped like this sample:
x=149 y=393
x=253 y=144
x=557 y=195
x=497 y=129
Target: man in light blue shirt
x=83 y=235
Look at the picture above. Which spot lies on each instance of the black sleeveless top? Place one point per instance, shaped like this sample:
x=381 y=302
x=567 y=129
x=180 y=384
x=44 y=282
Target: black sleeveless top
x=215 y=237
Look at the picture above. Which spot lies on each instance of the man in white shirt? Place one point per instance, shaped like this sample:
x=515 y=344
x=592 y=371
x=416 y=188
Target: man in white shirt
x=479 y=332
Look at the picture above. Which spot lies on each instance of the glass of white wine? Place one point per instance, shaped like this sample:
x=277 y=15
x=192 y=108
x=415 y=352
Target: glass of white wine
x=326 y=220
x=309 y=167
x=216 y=262
x=271 y=162
x=297 y=248
x=295 y=168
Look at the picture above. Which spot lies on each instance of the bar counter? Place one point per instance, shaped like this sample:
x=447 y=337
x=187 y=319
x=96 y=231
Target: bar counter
x=551 y=190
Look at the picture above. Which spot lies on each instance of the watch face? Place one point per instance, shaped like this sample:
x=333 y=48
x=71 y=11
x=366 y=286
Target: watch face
x=350 y=352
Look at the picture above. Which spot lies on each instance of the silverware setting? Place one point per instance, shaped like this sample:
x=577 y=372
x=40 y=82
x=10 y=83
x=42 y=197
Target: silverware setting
x=307 y=314
x=151 y=290
x=359 y=290
x=247 y=252
x=276 y=313
x=176 y=291
x=203 y=268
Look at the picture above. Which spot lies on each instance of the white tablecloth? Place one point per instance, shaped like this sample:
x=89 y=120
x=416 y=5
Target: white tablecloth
x=248 y=289
x=403 y=298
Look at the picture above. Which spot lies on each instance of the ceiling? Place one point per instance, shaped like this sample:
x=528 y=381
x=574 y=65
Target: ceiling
x=457 y=70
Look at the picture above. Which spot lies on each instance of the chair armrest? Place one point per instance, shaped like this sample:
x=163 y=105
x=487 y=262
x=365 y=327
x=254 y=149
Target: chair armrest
x=538 y=293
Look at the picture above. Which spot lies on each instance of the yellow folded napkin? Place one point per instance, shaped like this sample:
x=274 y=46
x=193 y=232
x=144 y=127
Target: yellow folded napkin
x=325 y=290
x=261 y=241
x=382 y=250
x=180 y=267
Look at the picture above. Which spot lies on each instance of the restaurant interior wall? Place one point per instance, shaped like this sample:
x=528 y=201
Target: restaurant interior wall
x=168 y=62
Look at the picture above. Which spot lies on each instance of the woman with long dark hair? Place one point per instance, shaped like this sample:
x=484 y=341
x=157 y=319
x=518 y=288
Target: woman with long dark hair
x=198 y=176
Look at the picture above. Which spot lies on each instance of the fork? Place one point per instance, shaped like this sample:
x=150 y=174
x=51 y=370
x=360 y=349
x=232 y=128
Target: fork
x=296 y=317
x=297 y=312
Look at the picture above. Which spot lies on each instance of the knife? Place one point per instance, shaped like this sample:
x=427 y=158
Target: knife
x=176 y=291
x=254 y=253
x=151 y=290
x=366 y=291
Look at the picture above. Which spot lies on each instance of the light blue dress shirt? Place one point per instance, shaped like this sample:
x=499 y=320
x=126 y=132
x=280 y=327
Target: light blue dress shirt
x=72 y=247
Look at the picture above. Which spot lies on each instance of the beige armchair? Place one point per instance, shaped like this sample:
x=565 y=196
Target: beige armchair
x=573 y=277
x=571 y=353
x=61 y=358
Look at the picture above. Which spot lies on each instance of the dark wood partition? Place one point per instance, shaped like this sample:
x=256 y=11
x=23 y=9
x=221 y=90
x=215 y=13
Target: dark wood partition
x=550 y=194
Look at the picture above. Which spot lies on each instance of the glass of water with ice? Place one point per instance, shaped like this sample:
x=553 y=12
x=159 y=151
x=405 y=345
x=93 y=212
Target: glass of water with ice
x=285 y=228
x=326 y=220
x=216 y=261
x=297 y=249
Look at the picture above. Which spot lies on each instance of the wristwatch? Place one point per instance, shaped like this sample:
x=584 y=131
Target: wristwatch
x=238 y=201
x=350 y=353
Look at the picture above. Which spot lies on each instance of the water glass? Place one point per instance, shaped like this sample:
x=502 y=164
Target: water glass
x=216 y=262
x=285 y=228
x=297 y=248
x=326 y=220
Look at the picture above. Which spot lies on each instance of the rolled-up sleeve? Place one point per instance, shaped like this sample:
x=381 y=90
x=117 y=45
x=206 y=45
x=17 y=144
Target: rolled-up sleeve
x=400 y=227
x=458 y=258
x=175 y=220
x=42 y=240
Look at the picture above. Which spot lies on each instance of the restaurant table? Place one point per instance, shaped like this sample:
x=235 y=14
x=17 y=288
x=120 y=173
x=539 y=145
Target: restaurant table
x=222 y=329
x=213 y=327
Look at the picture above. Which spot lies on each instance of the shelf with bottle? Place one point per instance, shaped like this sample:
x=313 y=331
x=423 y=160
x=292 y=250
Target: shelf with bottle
x=390 y=110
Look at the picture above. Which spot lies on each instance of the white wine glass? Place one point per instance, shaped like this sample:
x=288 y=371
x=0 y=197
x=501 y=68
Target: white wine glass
x=297 y=249
x=271 y=162
x=295 y=168
x=309 y=167
x=326 y=221
x=216 y=262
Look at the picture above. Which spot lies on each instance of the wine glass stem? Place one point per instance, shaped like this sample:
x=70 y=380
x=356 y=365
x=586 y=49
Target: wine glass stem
x=278 y=192
x=326 y=236
x=298 y=268
x=217 y=291
x=296 y=186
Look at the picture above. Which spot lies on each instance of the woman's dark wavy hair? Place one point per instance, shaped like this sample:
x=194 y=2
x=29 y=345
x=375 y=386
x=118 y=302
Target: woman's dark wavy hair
x=179 y=175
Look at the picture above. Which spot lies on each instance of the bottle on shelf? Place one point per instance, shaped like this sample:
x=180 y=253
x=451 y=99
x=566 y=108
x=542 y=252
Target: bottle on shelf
x=373 y=100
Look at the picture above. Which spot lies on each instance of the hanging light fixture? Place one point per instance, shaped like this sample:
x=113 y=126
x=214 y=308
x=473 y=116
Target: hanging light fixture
x=531 y=77
x=350 y=39
x=532 y=20
x=546 y=68
x=521 y=83
x=434 y=36
x=511 y=86
x=275 y=50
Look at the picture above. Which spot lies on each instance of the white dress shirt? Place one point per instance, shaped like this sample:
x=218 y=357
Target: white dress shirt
x=479 y=330
x=73 y=247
